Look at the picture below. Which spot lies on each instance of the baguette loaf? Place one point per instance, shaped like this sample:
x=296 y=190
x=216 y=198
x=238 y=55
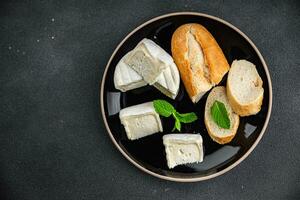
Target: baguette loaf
x=244 y=88
x=218 y=134
x=199 y=58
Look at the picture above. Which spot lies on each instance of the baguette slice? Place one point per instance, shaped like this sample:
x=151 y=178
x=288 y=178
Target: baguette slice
x=244 y=88
x=218 y=134
x=199 y=58
x=183 y=148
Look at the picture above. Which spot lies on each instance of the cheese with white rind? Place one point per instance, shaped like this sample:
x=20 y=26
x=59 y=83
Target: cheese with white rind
x=147 y=60
x=125 y=78
x=140 y=120
x=149 y=64
x=168 y=82
x=183 y=149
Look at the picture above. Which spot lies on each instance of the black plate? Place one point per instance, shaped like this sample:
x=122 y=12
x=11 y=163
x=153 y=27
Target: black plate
x=148 y=153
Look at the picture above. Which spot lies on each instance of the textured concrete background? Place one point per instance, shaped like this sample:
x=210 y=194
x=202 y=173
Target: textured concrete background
x=53 y=144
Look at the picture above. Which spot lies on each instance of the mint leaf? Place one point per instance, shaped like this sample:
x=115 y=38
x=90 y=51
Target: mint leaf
x=166 y=109
x=219 y=115
x=163 y=108
x=177 y=124
x=186 y=117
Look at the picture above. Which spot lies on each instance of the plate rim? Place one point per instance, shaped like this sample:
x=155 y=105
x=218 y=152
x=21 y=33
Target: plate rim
x=190 y=179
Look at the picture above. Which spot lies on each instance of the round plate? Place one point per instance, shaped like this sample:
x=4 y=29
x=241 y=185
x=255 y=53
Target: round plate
x=148 y=153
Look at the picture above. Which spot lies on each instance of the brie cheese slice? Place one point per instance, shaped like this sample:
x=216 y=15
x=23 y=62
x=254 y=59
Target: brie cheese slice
x=147 y=60
x=146 y=64
x=183 y=148
x=140 y=120
x=125 y=78
x=168 y=81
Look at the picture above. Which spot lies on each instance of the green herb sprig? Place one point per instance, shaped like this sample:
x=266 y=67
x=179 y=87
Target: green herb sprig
x=166 y=109
x=219 y=115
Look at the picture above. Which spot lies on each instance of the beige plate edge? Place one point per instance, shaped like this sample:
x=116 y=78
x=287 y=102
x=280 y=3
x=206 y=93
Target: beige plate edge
x=196 y=178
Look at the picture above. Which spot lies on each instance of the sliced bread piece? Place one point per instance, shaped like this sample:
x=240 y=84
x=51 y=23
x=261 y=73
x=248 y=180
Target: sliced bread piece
x=244 y=88
x=218 y=134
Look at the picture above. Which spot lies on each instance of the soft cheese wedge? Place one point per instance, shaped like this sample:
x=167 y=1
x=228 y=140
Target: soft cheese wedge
x=168 y=81
x=147 y=60
x=140 y=120
x=183 y=149
x=218 y=134
x=244 y=88
x=125 y=78
x=146 y=64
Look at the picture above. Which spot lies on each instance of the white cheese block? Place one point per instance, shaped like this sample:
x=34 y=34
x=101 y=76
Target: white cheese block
x=146 y=64
x=125 y=78
x=140 y=120
x=183 y=149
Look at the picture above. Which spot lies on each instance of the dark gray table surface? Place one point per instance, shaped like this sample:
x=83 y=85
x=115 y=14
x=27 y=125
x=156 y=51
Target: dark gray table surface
x=53 y=144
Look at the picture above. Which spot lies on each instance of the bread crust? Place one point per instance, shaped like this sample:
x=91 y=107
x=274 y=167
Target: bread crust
x=213 y=56
x=244 y=109
x=223 y=140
